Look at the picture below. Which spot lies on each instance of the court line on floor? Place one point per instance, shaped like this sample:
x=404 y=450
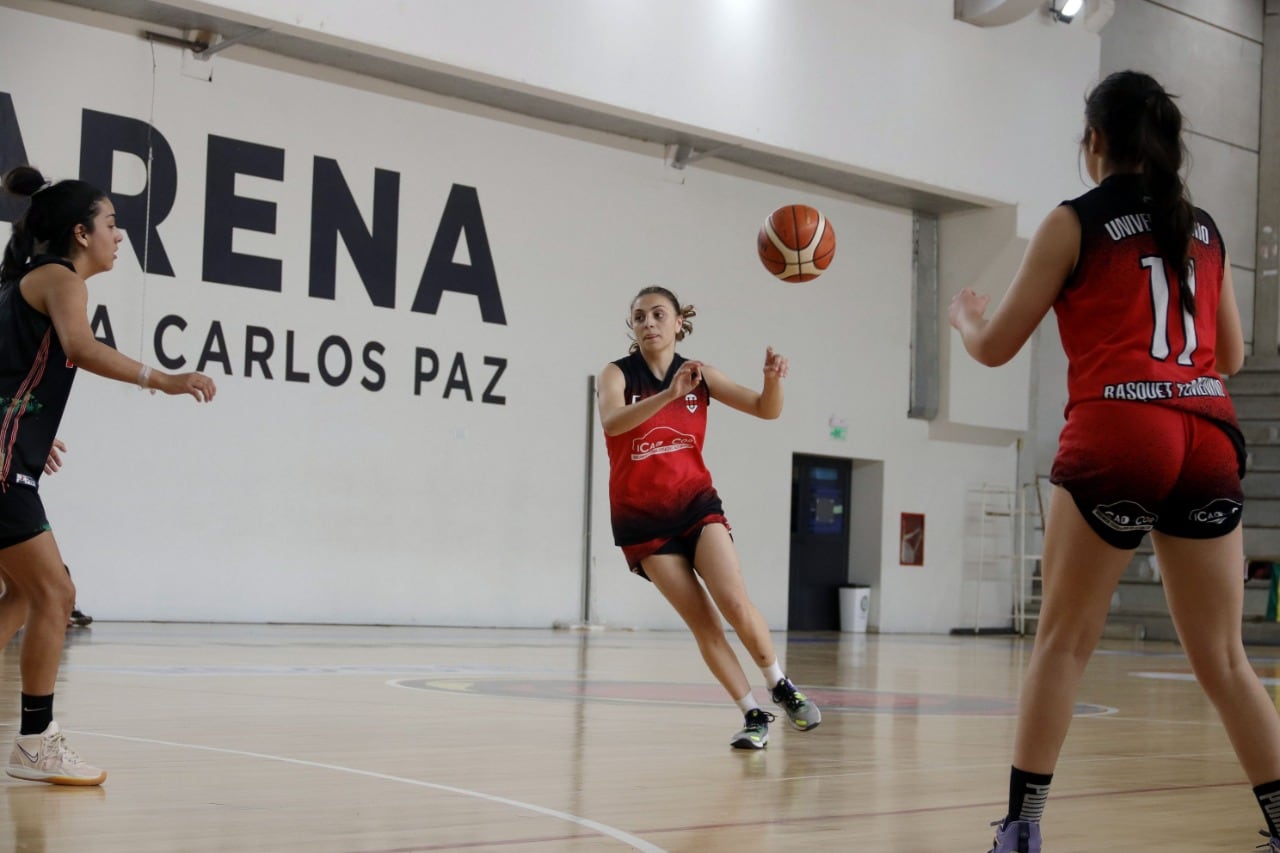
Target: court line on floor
x=969 y=767
x=603 y=829
x=465 y=845
x=994 y=805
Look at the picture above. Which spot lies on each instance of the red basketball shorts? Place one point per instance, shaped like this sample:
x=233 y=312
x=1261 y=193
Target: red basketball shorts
x=1134 y=467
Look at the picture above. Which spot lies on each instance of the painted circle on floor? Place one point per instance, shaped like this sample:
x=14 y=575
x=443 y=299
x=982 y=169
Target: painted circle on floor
x=838 y=700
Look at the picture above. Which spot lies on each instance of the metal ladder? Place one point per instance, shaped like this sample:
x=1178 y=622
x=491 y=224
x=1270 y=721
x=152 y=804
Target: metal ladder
x=1022 y=506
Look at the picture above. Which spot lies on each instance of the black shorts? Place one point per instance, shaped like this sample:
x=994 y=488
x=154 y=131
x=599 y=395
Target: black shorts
x=685 y=544
x=1134 y=467
x=21 y=515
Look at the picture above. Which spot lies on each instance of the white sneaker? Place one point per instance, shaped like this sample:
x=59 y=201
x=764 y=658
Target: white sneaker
x=47 y=758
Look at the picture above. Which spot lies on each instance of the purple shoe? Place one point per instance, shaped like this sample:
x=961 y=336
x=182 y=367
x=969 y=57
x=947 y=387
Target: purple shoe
x=1272 y=845
x=1016 y=836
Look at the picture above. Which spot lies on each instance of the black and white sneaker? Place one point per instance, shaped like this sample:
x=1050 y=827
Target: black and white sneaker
x=755 y=730
x=803 y=714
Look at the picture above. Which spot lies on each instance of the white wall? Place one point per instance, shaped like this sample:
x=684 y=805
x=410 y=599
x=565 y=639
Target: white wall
x=1201 y=49
x=1208 y=53
x=892 y=88
x=298 y=501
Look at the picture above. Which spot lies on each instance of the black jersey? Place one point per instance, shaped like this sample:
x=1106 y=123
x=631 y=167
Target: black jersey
x=35 y=382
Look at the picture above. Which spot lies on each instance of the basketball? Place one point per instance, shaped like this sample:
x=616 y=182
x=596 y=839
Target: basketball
x=796 y=243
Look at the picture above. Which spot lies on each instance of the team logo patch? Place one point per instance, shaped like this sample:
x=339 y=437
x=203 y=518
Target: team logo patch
x=1216 y=511
x=1125 y=516
x=691 y=402
x=661 y=439
x=24 y=480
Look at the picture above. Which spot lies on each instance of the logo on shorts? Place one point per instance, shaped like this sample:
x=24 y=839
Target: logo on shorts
x=662 y=439
x=691 y=402
x=1216 y=511
x=24 y=480
x=1125 y=516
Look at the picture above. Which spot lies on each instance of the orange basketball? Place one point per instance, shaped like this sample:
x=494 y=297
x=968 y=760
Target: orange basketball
x=796 y=243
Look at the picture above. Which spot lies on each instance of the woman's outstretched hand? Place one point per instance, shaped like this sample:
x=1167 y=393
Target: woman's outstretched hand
x=196 y=384
x=775 y=365
x=967 y=308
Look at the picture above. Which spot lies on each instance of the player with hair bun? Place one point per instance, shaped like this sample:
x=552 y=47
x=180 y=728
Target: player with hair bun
x=666 y=514
x=67 y=235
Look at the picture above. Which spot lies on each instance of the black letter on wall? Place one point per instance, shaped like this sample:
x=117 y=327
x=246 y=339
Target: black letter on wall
x=224 y=211
x=373 y=251
x=101 y=136
x=101 y=326
x=168 y=362
x=461 y=214
x=12 y=153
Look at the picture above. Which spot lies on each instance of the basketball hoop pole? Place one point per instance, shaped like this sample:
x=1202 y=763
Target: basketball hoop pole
x=584 y=622
x=586 y=502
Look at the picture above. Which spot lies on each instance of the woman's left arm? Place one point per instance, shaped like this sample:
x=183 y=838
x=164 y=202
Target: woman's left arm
x=765 y=403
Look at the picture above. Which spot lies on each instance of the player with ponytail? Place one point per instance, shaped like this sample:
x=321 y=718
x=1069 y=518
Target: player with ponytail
x=1141 y=285
x=67 y=235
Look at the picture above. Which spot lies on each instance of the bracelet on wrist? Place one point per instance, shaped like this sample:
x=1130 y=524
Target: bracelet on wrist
x=144 y=376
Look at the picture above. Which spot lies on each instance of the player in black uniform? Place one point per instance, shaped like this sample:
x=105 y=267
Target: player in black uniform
x=67 y=235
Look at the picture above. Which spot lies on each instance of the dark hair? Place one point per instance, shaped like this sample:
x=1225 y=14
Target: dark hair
x=1143 y=131
x=50 y=221
x=686 y=312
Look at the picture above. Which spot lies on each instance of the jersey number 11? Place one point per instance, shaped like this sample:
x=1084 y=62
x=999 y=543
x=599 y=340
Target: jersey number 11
x=1160 y=305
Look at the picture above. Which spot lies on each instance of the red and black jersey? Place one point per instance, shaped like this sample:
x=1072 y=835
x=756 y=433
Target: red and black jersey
x=659 y=486
x=1120 y=315
x=35 y=382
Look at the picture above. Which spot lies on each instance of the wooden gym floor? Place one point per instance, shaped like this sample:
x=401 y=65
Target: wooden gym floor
x=392 y=740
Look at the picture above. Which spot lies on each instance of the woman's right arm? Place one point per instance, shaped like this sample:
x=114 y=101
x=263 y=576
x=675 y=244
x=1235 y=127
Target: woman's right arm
x=617 y=417
x=62 y=295
x=1050 y=257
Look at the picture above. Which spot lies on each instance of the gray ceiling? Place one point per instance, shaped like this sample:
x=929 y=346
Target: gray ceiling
x=175 y=20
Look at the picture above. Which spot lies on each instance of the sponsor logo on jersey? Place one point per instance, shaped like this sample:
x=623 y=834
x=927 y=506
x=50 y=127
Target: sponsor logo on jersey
x=24 y=480
x=691 y=402
x=661 y=439
x=1217 y=511
x=1125 y=516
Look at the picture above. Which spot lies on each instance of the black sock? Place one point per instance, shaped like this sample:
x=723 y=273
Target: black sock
x=1269 y=799
x=37 y=714
x=1027 y=793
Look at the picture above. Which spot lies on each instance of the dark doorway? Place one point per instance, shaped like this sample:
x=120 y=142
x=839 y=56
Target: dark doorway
x=819 y=541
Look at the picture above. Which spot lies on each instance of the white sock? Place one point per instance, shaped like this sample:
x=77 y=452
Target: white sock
x=747 y=703
x=772 y=674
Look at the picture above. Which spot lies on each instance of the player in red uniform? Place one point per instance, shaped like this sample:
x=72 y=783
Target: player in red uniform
x=1141 y=285
x=666 y=514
